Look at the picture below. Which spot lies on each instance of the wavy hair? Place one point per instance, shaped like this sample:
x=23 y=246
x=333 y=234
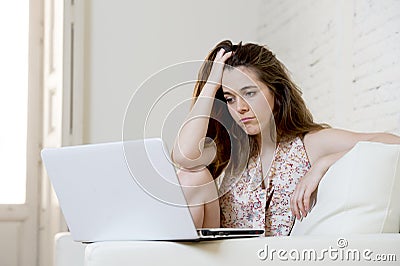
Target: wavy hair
x=291 y=116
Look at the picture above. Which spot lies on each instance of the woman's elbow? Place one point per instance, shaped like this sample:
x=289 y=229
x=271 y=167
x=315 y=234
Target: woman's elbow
x=185 y=160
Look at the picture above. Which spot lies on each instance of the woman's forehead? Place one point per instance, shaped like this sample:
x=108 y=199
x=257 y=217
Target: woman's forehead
x=235 y=79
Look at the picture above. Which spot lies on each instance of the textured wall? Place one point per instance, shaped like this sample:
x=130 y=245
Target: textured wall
x=345 y=56
x=126 y=42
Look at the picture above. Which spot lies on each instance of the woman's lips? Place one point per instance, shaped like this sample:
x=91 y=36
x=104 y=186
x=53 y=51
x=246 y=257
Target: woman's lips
x=246 y=119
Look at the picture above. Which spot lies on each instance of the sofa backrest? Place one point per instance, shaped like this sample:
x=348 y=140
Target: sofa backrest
x=360 y=193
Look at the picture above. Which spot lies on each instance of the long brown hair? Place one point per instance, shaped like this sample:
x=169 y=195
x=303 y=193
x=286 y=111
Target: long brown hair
x=291 y=116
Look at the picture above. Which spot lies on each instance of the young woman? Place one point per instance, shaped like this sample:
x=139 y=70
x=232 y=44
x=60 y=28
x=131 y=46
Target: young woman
x=250 y=154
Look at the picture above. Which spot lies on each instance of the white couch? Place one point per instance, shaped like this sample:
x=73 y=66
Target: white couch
x=356 y=221
x=371 y=249
x=68 y=252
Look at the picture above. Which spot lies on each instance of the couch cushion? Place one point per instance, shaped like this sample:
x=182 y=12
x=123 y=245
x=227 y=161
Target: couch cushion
x=360 y=193
x=262 y=251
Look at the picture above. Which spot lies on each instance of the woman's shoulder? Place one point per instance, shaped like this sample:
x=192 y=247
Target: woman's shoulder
x=318 y=135
x=320 y=142
x=329 y=138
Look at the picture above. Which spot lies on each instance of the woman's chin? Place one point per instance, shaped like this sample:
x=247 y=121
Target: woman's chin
x=250 y=130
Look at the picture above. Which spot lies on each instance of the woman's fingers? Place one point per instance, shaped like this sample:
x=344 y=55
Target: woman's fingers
x=219 y=55
x=218 y=66
x=301 y=199
x=306 y=201
x=300 y=203
x=226 y=56
x=293 y=204
x=222 y=56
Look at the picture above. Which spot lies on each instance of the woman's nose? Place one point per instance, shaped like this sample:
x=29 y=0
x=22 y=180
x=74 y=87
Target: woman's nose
x=241 y=106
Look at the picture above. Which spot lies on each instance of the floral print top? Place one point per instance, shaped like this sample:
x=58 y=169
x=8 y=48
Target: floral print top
x=248 y=205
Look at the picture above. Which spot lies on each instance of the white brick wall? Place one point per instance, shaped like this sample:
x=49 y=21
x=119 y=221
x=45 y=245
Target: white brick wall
x=345 y=56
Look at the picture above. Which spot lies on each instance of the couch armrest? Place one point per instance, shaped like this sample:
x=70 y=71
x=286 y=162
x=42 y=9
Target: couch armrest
x=67 y=251
x=250 y=251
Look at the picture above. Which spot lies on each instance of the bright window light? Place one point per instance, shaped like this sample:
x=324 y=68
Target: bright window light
x=14 y=28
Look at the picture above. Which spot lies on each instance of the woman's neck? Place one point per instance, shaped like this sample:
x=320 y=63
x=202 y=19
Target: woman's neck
x=266 y=144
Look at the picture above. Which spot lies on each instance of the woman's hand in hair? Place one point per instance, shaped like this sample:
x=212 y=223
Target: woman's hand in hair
x=215 y=77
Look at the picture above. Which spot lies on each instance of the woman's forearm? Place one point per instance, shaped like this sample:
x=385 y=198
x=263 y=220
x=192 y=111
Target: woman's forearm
x=387 y=138
x=322 y=165
x=189 y=144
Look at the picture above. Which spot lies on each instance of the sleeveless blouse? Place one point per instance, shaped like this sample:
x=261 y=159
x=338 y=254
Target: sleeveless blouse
x=248 y=205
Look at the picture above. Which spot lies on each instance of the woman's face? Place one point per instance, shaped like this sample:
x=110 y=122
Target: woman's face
x=249 y=100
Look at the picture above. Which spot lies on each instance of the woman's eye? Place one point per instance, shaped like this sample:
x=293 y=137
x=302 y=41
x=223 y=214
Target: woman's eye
x=229 y=100
x=250 y=94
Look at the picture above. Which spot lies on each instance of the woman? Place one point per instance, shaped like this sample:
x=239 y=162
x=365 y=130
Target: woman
x=250 y=153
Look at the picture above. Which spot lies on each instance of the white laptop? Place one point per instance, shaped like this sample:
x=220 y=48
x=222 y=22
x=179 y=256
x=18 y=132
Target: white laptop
x=124 y=191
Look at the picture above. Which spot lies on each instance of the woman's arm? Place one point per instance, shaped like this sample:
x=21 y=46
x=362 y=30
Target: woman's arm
x=331 y=140
x=385 y=138
x=324 y=148
x=304 y=193
x=189 y=150
x=189 y=144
